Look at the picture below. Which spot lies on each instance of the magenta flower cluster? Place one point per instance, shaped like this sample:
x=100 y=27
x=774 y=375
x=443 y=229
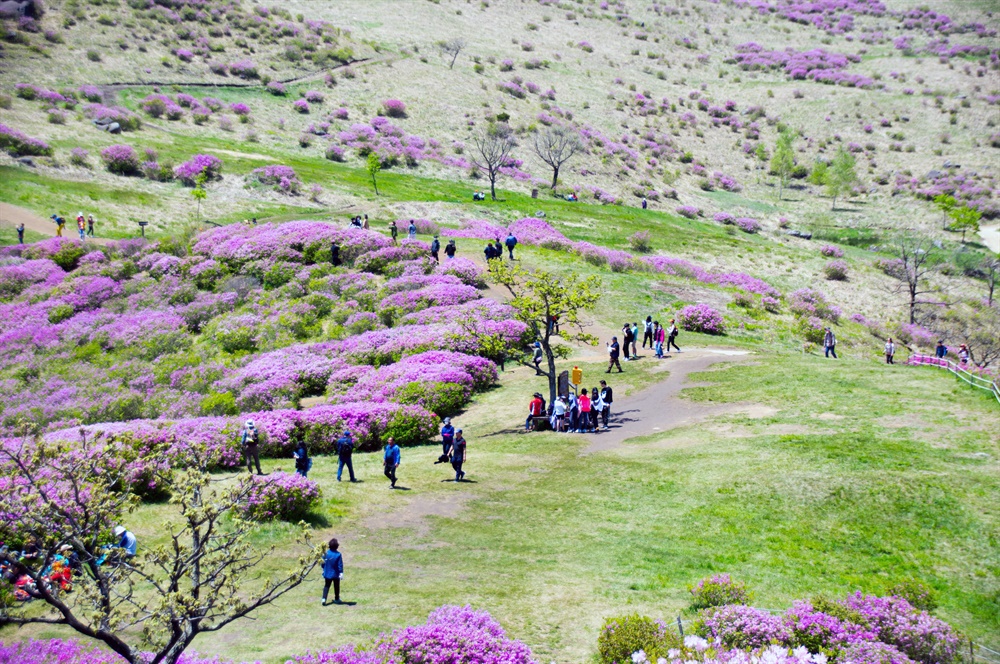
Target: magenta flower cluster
x=701 y=318
x=200 y=164
x=278 y=495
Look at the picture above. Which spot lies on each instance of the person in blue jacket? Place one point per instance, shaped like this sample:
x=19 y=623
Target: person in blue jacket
x=447 y=438
x=345 y=449
x=126 y=542
x=511 y=242
x=333 y=571
x=391 y=461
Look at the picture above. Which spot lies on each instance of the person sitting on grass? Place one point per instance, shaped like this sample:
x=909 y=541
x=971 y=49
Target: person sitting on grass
x=127 y=543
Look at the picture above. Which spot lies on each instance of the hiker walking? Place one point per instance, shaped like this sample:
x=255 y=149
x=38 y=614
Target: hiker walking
x=830 y=343
x=302 y=461
x=963 y=354
x=647 y=334
x=334 y=253
x=81 y=226
x=458 y=456
x=90 y=225
x=644 y=203
x=672 y=336
x=659 y=334
x=450 y=249
x=20 y=233
x=251 y=446
x=58 y=223
x=537 y=357
x=940 y=352
x=627 y=339
x=607 y=397
x=345 y=450
x=488 y=252
x=391 y=461
x=613 y=350
x=447 y=439
x=435 y=248
x=511 y=242
x=333 y=570
x=412 y=230
x=394 y=231
x=890 y=351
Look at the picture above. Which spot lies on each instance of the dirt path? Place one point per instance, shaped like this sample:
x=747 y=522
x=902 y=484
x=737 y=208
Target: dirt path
x=991 y=236
x=14 y=215
x=660 y=407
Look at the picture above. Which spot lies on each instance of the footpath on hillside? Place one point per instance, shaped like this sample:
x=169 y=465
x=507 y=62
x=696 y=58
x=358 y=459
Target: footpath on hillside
x=13 y=216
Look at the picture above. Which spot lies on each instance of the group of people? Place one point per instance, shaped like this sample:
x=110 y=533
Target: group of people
x=653 y=333
x=494 y=250
x=889 y=349
x=359 y=221
x=572 y=413
x=84 y=226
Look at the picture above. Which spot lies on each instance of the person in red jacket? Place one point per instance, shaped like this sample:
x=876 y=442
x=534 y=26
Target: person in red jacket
x=535 y=409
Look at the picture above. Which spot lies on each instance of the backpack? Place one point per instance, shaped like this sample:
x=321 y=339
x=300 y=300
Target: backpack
x=254 y=439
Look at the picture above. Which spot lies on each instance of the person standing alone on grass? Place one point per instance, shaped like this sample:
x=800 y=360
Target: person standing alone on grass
x=613 y=350
x=345 y=451
x=511 y=242
x=20 y=233
x=607 y=397
x=333 y=571
x=830 y=343
x=672 y=336
x=647 y=334
x=90 y=225
x=890 y=351
x=447 y=439
x=251 y=446
x=435 y=248
x=458 y=455
x=391 y=461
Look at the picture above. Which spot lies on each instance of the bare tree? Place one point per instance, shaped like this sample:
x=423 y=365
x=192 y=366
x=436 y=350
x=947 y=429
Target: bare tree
x=555 y=146
x=917 y=259
x=495 y=144
x=991 y=270
x=451 y=47
x=203 y=579
x=978 y=327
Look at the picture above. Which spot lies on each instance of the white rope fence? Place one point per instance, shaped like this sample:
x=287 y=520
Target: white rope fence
x=957 y=371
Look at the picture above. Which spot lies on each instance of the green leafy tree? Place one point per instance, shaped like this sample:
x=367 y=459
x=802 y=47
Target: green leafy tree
x=818 y=174
x=965 y=219
x=841 y=176
x=537 y=297
x=373 y=166
x=783 y=160
x=198 y=193
x=206 y=575
x=946 y=203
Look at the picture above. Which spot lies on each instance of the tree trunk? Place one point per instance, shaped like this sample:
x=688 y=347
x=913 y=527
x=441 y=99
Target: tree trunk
x=454 y=57
x=781 y=186
x=834 y=205
x=913 y=304
x=555 y=176
x=493 y=185
x=375 y=185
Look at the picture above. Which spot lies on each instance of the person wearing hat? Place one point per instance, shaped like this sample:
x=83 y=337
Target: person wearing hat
x=391 y=461
x=458 y=456
x=613 y=351
x=447 y=438
x=537 y=357
x=345 y=450
x=251 y=446
x=81 y=226
x=435 y=248
x=535 y=409
x=333 y=570
x=126 y=541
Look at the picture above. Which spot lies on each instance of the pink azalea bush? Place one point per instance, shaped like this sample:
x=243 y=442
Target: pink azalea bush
x=394 y=108
x=835 y=270
x=17 y=143
x=120 y=159
x=701 y=318
x=279 y=495
x=831 y=251
x=283 y=179
x=689 y=211
x=201 y=164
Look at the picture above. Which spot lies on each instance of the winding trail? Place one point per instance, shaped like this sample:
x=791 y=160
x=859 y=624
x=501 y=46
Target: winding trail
x=13 y=215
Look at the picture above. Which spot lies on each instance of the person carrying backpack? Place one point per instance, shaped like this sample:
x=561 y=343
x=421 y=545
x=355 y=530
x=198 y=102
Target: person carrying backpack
x=450 y=249
x=647 y=334
x=435 y=248
x=511 y=242
x=251 y=446
x=302 y=461
x=672 y=336
x=345 y=449
x=488 y=252
x=536 y=357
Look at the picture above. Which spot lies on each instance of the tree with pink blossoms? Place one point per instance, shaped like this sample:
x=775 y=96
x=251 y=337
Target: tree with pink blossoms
x=541 y=298
x=206 y=577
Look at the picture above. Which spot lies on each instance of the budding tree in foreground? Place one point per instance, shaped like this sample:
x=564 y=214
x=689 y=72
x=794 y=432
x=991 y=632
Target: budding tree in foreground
x=205 y=576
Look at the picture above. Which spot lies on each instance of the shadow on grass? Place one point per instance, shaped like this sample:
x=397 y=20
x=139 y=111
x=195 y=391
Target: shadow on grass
x=317 y=520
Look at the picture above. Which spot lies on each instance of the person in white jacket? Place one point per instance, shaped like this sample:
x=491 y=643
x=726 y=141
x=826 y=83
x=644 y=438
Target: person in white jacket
x=890 y=351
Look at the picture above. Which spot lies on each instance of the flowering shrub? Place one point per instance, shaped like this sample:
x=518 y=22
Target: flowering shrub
x=836 y=270
x=701 y=318
x=282 y=178
x=718 y=589
x=335 y=153
x=808 y=302
x=281 y=496
x=314 y=96
x=201 y=164
x=818 y=631
x=16 y=143
x=243 y=68
x=301 y=105
x=126 y=119
x=621 y=637
x=641 y=241
x=394 y=108
x=240 y=109
x=120 y=159
x=277 y=88
x=689 y=211
x=741 y=627
x=747 y=224
x=831 y=251
x=724 y=218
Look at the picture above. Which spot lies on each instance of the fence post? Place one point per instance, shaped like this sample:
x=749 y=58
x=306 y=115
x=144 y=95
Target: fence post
x=972 y=652
x=680 y=627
